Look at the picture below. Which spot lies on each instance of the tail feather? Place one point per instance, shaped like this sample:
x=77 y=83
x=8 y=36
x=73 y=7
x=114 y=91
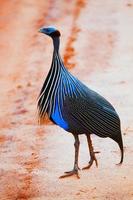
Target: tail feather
x=119 y=141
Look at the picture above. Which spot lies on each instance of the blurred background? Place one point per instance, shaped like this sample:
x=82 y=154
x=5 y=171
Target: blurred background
x=97 y=47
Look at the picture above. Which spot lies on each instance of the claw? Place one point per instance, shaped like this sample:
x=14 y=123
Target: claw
x=96 y=162
x=76 y=169
x=71 y=173
x=88 y=166
x=118 y=164
x=97 y=152
x=91 y=162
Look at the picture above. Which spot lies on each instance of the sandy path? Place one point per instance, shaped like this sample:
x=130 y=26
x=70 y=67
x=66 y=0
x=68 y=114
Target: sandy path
x=96 y=45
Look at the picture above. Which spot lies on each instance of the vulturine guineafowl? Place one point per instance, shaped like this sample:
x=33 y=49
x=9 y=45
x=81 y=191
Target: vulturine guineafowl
x=74 y=107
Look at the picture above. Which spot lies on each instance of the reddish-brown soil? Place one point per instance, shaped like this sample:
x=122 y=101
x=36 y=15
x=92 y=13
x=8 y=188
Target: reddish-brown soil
x=97 y=47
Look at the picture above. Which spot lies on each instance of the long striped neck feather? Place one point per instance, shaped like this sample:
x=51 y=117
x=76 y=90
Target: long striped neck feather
x=56 y=43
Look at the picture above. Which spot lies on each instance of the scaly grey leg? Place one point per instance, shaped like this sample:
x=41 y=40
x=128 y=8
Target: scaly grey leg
x=75 y=168
x=92 y=153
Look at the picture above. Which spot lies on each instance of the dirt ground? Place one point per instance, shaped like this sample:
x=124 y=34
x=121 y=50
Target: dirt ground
x=97 y=47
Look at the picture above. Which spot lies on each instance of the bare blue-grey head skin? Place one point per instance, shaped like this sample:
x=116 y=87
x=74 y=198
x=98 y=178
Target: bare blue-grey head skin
x=52 y=32
x=48 y=30
x=75 y=107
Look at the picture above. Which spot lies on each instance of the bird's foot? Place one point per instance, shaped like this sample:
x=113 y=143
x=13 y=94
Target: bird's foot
x=71 y=173
x=93 y=158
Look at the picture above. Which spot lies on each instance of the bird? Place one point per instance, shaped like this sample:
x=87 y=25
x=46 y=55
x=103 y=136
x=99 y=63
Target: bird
x=73 y=106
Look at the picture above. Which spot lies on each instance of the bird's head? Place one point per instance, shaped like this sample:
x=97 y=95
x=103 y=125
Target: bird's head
x=50 y=31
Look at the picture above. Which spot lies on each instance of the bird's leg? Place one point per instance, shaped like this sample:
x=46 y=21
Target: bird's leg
x=75 y=168
x=92 y=153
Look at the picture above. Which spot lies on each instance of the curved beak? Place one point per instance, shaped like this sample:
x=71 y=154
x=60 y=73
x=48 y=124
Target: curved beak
x=40 y=30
